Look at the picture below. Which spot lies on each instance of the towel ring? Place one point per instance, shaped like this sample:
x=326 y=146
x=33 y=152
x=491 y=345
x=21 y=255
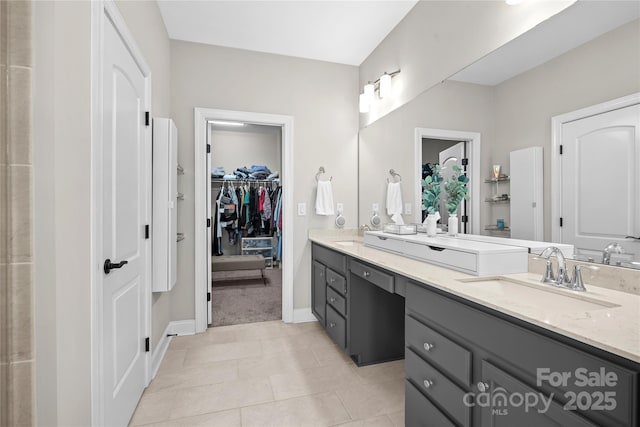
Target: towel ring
x=394 y=174
x=320 y=172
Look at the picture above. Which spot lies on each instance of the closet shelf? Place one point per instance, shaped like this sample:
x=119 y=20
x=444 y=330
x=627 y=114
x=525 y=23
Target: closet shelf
x=505 y=179
x=491 y=200
x=244 y=181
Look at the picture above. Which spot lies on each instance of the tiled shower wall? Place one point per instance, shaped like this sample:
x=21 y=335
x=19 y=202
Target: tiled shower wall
x=16 y=247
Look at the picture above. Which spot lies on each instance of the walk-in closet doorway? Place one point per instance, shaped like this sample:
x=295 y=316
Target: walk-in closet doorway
x=244 y=234
x=246 y=207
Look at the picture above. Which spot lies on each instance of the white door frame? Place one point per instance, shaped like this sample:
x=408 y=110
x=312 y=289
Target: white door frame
x=473 y=142
x=201 y=179
x=102 y=10
x=557 y=122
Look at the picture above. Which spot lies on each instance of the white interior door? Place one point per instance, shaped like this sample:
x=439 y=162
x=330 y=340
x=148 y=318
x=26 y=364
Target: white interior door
x=601 y=181
x=125 y=189
x=208 y=239
x=448 y=158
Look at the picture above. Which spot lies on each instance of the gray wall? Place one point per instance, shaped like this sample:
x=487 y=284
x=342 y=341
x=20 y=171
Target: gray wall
x=322 y=97
x=431 y=149
x=62 y=212
x=438 y=38
x=246 y=146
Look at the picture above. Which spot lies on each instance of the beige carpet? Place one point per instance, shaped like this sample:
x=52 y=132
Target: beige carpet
x=241 y=297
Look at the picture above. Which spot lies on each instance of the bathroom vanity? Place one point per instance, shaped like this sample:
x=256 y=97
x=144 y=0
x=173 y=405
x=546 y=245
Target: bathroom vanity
x=471 y=343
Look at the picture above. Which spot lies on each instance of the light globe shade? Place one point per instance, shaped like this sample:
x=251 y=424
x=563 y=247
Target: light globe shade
x=369 y=92
x=385 y=85
x=364 y=105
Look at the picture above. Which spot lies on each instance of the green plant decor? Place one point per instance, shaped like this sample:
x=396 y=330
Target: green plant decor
x=431 y=192
x=456 y=189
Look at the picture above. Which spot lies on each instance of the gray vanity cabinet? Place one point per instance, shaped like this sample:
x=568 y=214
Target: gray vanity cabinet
x=459 y=353
x=356 y=304
x=319 y=292
x=329 y=292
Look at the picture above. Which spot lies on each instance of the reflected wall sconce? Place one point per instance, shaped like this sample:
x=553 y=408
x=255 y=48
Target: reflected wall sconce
x=382 y=85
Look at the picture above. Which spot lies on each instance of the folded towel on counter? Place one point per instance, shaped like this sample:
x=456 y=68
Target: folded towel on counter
x=394 y=202
x=324 y=199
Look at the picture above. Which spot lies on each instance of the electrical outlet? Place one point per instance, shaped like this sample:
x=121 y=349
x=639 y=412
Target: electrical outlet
x=407 y=208
x=339 y=208
x=302 y=209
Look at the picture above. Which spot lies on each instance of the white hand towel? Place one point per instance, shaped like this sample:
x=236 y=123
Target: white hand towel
x=394 y=202
x=324 y=199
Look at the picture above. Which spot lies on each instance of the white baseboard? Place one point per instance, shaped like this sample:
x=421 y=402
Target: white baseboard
x=159 y=351
x=183 y=327
x=301 y=315
x=180 y=327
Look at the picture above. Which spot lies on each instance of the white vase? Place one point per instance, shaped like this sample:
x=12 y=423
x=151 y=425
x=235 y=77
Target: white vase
x=453 y=225
x=431 y=222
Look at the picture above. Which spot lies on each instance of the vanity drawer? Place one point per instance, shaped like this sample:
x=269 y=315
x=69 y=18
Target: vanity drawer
x=383 y=242
x=437 y=348
x=419 y=411
x=440 y=389
x=336 y=281
x=337 y=301
x=336 y=327
x=448 y=257
x=330 y=258
x=528 y=351
x=379 y=278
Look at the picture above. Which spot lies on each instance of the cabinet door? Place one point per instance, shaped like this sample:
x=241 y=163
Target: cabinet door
x=319 y=292
x=506 y=401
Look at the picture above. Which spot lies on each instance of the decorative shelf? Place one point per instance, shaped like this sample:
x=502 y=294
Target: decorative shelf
x=490 y=200
x=496 y=228
x=490 y=180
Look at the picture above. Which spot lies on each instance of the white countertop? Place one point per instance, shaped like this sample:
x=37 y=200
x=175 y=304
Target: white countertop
x=615 y=329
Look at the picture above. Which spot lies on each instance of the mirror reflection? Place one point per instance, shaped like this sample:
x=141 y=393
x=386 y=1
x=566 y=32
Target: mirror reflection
x=513 y=110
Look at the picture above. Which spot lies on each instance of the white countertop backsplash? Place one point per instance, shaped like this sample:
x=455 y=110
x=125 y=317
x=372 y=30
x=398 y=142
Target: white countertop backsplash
x=616 y=329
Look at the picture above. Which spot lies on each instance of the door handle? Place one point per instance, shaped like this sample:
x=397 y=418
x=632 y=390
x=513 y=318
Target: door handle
x=632 y=237
x=108 y=265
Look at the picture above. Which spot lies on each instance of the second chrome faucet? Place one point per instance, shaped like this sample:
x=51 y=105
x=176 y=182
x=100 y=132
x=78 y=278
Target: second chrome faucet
x=561 y=279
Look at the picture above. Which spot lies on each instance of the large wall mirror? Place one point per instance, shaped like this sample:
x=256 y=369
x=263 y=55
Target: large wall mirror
x=584 y=56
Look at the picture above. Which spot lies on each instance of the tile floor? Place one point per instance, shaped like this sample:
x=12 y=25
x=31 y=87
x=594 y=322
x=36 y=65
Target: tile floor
x=269 y=374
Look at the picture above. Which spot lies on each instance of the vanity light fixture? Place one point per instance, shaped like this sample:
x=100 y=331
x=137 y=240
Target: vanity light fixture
x=369 y=92
x=382 y=85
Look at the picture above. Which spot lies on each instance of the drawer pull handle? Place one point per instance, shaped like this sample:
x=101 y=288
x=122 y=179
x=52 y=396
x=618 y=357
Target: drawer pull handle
x=436 y=248
x=427 y=383
x=382 y=238
x=366 y=274
x=428 y=346
x=332 y=299
x=482 y=386
x=332 y=325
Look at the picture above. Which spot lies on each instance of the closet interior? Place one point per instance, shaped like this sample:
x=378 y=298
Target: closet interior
x=246 y=233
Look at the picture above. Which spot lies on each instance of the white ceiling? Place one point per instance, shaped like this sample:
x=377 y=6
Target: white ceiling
x=344 y=32
x=574 y=26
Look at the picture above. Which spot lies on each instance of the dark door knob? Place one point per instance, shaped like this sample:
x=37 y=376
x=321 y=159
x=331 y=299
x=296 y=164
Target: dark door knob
x=108 y=265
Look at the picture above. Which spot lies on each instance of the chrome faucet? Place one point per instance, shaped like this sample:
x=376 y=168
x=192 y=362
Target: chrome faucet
x=611 y=248
x=562 y=278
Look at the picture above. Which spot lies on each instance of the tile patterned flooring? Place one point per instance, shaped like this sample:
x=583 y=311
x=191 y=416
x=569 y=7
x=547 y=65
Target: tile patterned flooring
x=269 y=374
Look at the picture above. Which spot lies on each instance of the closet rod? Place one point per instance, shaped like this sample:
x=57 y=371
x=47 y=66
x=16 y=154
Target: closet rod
x=244 y=181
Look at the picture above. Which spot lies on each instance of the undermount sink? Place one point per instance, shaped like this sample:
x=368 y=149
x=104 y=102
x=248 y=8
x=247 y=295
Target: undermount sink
x=346 y=242
x=558 y=301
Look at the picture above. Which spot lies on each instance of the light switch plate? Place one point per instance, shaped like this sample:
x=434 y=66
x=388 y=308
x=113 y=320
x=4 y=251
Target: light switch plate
x=302 y=209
